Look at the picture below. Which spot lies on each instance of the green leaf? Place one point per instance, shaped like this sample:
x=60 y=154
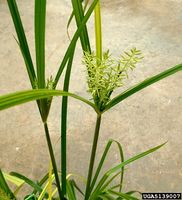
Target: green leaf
x=39 y=27
x=107 y=148
x=13 y=99
x=110 y=181
x=47 y=187
x=22 y=40
x=79 y=15
x=142 y=85
x=42 y=181
x=4 y=195
x=106 y=196
x=98 y=31
x=74 y=40
x=13 y=179
x=99 y=188
x=133 y=192
x=69 y=22
x=64 y=124
x=72 y=15
x=18 y=182
x=77 y=187
x=122 y=195
x=4 y=186
x=50 y=180
x=27 y=180
x=40 y=19
x=31 y=197
x=70 y=190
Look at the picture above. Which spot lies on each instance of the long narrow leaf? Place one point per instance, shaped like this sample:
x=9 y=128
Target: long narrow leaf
x=22 y=40
x=70 y=191
x=46 y=188
x=122 y=195
x=98 y=31
x=40 y=18
x=42 y=181
x=98 y=189
x=39 y=27
x=72 y=15
x=27 y=180
x=106 y=196
x=18 y=182
x=142 y=85
x=107 y=148
x=74 y=40
x=7 y=101
x=77 y=187
x=110 y=181
x=79 y=15
x=133 y=192
x=64 y=124
x=13 y=179
x=4 y=186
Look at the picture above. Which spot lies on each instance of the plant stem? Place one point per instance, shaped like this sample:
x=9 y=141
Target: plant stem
x=53 y=160
x=92 y=158
x=98 y=31
x=64 y=123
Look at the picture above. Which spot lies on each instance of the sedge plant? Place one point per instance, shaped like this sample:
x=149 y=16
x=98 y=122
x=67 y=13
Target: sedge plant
x=104 y=75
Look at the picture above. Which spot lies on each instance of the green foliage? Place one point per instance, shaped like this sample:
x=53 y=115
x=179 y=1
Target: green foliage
x=14 y=99
x=22 y=40
x=40 y=20
x=108 y=74
x=5 y=188
x=143 y=85
x=3 y=195
x=104 y=75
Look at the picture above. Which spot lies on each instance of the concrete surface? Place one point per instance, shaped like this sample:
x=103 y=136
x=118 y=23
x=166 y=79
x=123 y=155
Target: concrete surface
x=144 y=120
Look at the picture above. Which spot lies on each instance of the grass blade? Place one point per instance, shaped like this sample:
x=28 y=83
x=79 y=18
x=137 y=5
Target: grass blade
x=98 y=31
x=27 y=180
x=102 y=162
x=48 y=185
x=74 y=40
x=40 y=18
x=77 y=187
x=22 y=40
x=13 y=179
x=64 y=124
x=70 y=190
x=110 y=181
x=79 y=15
x=39 y=27
x=13 y=99
x=106 y=196
x=142 y=85
x=133 y=192
x=18 y=182
x=42 y=181
x=122 y=195
x=4 y=186
x=100 y=187
x=72 y=15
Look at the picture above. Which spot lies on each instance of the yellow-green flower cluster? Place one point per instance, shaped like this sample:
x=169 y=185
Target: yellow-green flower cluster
x=105 y=75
